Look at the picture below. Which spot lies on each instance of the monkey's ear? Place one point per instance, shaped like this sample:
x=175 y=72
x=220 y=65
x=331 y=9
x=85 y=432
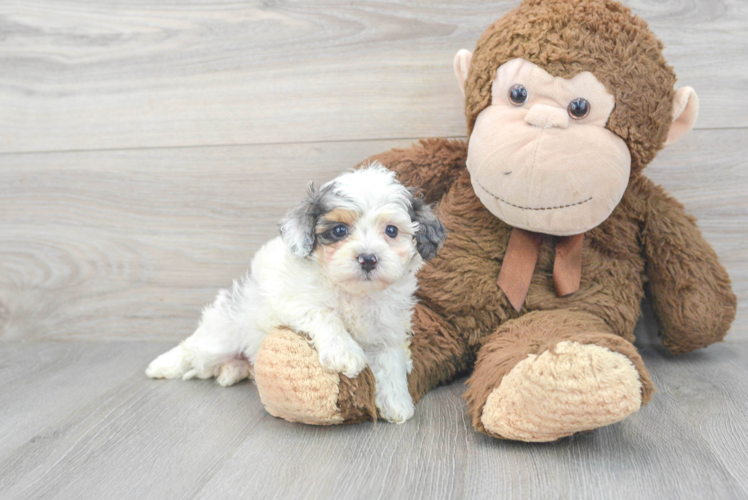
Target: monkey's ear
x=685 y=112
x=430 y=234
x=462 y=65
x=297 y=227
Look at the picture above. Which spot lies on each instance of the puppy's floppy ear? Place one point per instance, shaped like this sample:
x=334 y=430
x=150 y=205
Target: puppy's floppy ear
x=430 y=234
x=297 y=228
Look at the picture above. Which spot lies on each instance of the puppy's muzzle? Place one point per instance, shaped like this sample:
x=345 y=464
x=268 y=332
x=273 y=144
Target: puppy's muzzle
x=368 y=262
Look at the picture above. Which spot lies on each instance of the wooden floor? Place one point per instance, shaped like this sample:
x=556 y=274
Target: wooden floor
x=80 y=420
x=148 y=148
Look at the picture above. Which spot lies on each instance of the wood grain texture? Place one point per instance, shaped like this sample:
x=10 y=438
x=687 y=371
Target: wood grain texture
x=117 y=245
x=147 y=149
x=81 y=74
x=134 y=438
x=40 y=383
x=133 y=244
x=137 y=439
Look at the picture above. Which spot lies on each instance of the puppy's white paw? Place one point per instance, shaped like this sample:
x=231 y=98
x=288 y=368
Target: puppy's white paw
x=233 y=371
x=395 y=408
x=342 y=355
x=171 y=364
x=200 y=372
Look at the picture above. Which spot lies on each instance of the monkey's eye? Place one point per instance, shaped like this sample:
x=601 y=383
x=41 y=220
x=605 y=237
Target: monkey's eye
x=579 y=108
x=518 y=95
x=391 y=231
x=340 y=231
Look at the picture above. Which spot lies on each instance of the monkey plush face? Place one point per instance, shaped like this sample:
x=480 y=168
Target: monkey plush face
x=540 y=157
x=566 y=101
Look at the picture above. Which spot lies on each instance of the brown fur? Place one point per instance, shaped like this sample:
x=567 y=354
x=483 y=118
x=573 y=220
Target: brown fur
x=688 y=287
x=648 y=243
x=461 y=305
x=335 y=217
x=446 y=157
x=438 y=351
x=356 y=397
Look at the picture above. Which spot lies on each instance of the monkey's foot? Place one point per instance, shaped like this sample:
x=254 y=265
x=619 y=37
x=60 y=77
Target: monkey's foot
x=294 y=385
x=570 y=388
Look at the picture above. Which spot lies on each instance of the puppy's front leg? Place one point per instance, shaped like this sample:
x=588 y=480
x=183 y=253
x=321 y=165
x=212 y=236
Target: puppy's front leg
x=338 y=352
x=391 y=366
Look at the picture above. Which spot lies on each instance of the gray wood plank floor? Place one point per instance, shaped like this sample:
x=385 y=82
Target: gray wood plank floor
x=81 y=420
x=147 y=149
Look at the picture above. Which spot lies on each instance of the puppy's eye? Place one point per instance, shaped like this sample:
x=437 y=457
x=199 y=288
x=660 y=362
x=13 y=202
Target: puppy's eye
x=391 y=231
x=340 y=231
x=518 y=95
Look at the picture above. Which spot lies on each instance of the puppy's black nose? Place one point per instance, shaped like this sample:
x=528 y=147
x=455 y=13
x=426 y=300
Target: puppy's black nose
x=368 y=262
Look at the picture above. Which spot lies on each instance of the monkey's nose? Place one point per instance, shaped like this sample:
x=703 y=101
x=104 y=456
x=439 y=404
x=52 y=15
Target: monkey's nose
x=368 y=262
x=544 y=116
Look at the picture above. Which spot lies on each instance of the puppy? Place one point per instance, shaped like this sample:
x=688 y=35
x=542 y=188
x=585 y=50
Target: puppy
x=342 y=272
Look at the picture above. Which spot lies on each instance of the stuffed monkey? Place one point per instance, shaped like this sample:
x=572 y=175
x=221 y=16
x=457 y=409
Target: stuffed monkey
x=554 y=236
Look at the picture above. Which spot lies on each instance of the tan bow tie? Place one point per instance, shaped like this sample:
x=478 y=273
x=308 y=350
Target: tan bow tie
x=521 y=256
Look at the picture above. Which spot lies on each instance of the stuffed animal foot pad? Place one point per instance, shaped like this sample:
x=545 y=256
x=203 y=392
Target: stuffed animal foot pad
x=293 y=385
x=571 y=388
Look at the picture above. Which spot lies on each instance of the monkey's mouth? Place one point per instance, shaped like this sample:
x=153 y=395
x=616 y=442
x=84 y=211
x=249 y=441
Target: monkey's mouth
x=533 y=208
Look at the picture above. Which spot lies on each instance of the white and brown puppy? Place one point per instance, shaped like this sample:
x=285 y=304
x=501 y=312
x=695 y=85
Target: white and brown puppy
x=343 y=272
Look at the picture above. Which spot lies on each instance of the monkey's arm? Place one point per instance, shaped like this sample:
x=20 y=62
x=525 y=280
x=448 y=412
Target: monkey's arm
x=689 y=289
x=431 y=165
